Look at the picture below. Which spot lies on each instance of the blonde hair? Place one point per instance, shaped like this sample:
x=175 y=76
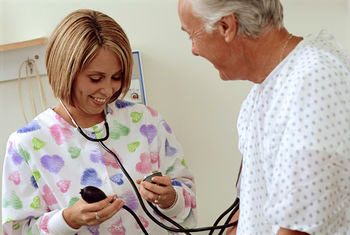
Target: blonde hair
x=252 y=15
x=75 y=42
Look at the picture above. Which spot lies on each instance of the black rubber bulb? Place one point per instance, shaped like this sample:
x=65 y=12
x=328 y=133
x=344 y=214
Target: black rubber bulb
x=92 y=194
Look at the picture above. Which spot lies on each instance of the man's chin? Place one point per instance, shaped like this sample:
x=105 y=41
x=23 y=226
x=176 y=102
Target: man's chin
x=223 y=76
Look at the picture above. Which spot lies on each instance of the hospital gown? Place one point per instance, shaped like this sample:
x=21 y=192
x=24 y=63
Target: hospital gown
x=294 y=135
x=48 y=161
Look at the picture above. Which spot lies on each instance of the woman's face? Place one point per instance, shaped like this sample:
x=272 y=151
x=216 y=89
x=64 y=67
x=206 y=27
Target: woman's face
x=96 y=84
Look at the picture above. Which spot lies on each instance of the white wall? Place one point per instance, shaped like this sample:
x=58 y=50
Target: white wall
x=186 y=90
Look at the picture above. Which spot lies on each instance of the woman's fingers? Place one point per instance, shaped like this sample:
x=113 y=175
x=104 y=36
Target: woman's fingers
x=110 y=210
x=83 y=213
x=162 y=180
x=160 y=192
x=99 y=205
x=147 y=194
x=106 y=212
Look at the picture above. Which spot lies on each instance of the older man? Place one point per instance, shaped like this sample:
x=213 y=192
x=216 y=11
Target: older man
x=294 y=126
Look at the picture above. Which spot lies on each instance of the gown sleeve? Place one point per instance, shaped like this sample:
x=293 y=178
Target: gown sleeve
x=173 y=164
x=24 y=209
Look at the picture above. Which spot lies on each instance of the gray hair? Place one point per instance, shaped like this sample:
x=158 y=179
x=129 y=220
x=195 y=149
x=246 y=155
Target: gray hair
x=252 y=15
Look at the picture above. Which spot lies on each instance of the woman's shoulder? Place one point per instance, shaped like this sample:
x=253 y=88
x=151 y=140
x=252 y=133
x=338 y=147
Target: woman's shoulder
x=33 y=128
x=122 y=107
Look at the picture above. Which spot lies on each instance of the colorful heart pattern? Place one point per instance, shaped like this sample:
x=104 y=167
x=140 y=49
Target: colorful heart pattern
x=169 y=169
x=48 y=196
x=90 y=177
x=152 y=111
x=133 y=146
x=183 y=162
x=36 y=175
x=169 y=151
x=189 y=199
x=32 y=126
x=16 y=158
x=15 y=177
x=118 y=130
x=117 y=228
x=33 y=182
x=94 y=230
x=74 y=152
x=117 y=179
x=130 y=200
x=43 y=224
x=96 y=156
x=13 y=200
x=60 y=134
x=154 y=157
x=176 y=183
x=72 y=201
x=63 y=185
x=144 y=222
x=109 y=159
x=38 y=144
x=166 y=127
x=120 y=104
x=36 y=203
x=149 y=131
x=136 y=117
x=25 y=155
x=145 y=165
x=52 y=163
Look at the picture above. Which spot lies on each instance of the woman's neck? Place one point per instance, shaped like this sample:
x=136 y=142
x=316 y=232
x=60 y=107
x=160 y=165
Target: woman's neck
x=81 y=118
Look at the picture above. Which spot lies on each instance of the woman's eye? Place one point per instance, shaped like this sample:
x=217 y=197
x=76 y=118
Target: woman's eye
x=117 y=78
x=95 y=79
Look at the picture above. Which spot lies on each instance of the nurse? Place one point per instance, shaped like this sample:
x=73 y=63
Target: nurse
x=48 y=162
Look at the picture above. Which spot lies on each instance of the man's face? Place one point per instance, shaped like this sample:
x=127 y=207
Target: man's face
x=210 y=46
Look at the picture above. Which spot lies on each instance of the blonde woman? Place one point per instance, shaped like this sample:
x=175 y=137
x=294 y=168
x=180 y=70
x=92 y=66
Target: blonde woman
x=48 y=162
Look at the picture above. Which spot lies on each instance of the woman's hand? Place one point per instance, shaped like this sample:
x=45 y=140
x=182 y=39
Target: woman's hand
x=83 y=213
x=161 y=192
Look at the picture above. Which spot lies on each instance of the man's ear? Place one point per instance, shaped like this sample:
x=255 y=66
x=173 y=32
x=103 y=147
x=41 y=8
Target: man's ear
x=228 y=27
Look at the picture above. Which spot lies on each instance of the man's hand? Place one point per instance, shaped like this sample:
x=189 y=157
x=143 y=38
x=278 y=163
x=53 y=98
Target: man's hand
x=232 y=230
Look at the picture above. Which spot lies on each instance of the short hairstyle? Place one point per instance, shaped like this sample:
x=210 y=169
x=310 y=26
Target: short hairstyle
x=252 y=15
x=75 y=42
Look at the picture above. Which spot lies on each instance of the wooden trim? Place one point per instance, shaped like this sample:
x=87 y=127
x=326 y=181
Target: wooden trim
x=19 y=45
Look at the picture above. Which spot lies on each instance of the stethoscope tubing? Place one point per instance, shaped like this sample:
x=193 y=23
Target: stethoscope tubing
x=234 y=207
x=179 y=228
x=140 y=199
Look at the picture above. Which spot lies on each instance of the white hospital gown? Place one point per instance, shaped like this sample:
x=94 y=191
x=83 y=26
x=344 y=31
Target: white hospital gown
x=294 y=134
x=48 y=161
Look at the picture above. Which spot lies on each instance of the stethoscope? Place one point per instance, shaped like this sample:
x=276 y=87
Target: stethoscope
x=179 y=229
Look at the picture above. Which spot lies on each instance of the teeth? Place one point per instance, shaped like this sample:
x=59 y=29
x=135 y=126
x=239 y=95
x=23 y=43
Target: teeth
x=99 y=99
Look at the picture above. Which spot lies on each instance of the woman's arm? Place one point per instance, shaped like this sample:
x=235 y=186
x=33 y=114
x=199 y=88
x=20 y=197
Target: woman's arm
x=24 y=209
x=178 y=182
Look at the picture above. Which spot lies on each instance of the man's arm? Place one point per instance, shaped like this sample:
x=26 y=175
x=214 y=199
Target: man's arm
x=283 y=231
